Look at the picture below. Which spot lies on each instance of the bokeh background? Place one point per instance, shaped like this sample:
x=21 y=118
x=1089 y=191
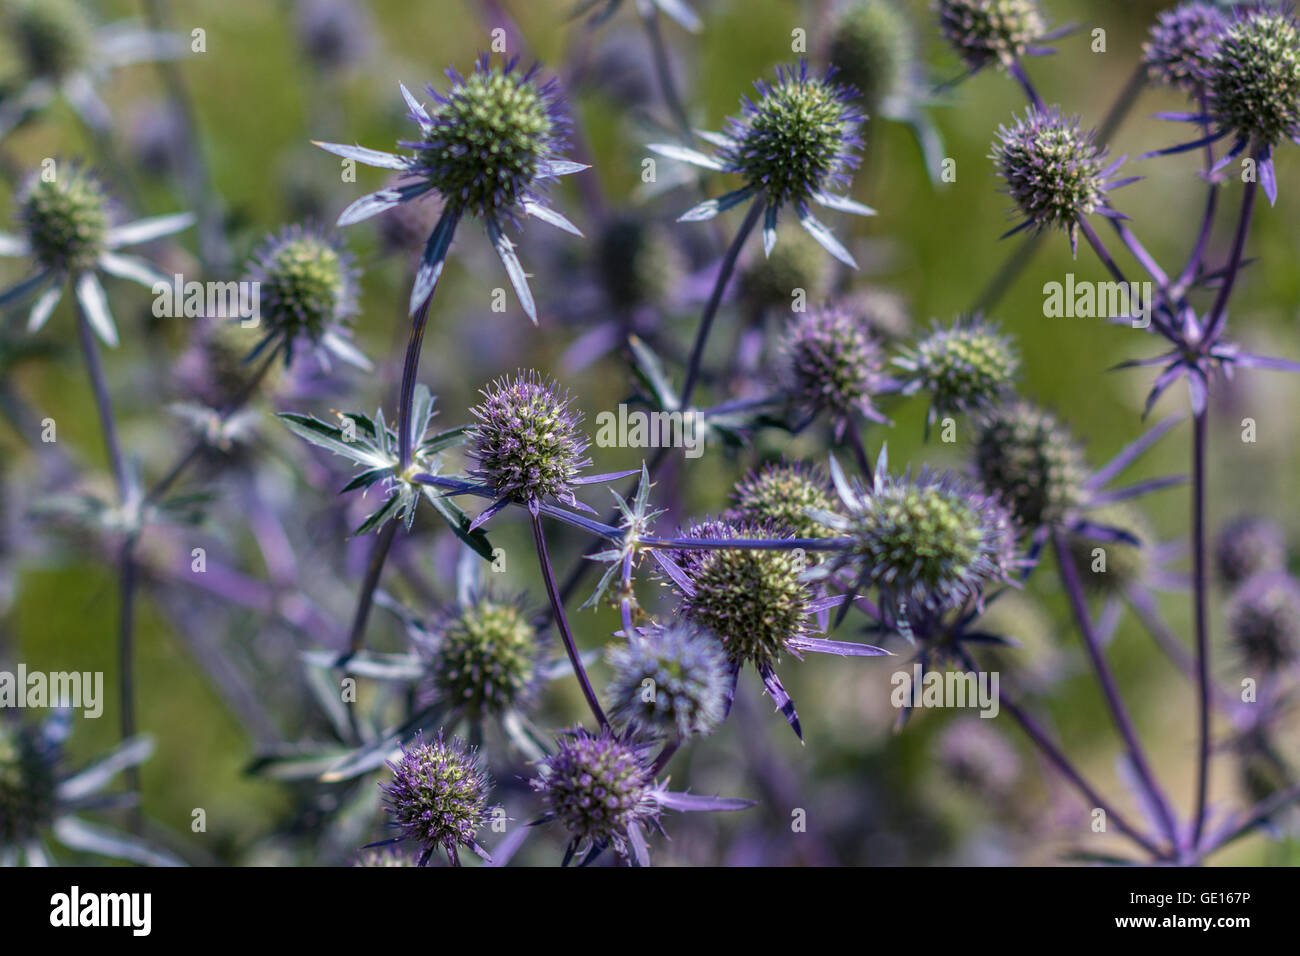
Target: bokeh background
x=873 y=796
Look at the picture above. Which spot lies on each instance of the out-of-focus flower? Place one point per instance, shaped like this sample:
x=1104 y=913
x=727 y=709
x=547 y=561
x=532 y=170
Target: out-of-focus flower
x=1181 y=42
x=68 y=231
x=966 y=367
x=994 y=31
x=978 y=758
x=671 y=680
x=783 y=495
x=1249 y=545
x=831 y=362
x=335 y=34
x=483 y=658
x=1264 y=619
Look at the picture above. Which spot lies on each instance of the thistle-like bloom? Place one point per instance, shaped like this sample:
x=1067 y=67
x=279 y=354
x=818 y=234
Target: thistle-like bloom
x=60 y=51
x=438 y=797
x=670 y=680
x=483 y=659
x=39 y=799
x=791 y=146
x=966 y=367
x=783 y=495
x=1181 y=42
x=527 y=444
x=487 y=147
x=307 y=284
x=758 y=602
x=1032 y=462
x=601 y=789
x=994 y=31
x=1054 y=172
x=831 y=361
x=1264 y=619
x=1247 y=546
x=926 y=544
x=872 y=49
x=1251 y=85
x=68 y=231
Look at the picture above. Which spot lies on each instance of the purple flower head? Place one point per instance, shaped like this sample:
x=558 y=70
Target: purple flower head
x=670 y=680
x=1264 y=619
x=527 y=444
x=978 y=758
x=487 y=147
x=600 y=788
x=1249 y=545
x=993 y=31
x=438 y=796
x=1181 y=42
x=926 y=544
x=307 y=284
x=966 y=367
x=335 y=34
x=783 y=494
x=832 y=362
x=1054 y=172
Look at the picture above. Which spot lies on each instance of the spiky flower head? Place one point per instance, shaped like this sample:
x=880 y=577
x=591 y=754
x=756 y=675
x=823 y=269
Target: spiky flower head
x=483 y=661
x=782 y=494
x=796 y=264
x=1181 y=43
x=1107 y=567
x=926 y=543
x=965 y=367
x=987 y=31
x=66 y=219
x=53 y=38
x=872 y=48
x=599 y=787
x=1264 y=619
x=1025 y=456
x=638 y=262
x=754 y=600
x=27 y=783
x=490 y=137
x=528 y=444
x=831 y=361
x=671 y=680
x=1249 y=545
x=798 y=138
x=438 y=795
x=1252 y=81
x=1053 y=170
x=307 y=285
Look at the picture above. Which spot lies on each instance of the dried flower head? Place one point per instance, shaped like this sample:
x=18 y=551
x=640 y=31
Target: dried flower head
x=1054 y=171
x=988 y=31
x=1249 y=545
x=670 y=680
x=1264 y=619
x=527 y=444
x=782 y=494
x=600 y=789
x=872 y=48
x=832 y=362
x=484 y=658
x=1031 y=462
x=438 y=796
x=1181 y=42
x=966 y=367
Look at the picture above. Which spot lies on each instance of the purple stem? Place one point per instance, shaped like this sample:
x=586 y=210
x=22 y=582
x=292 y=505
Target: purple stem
x=1070 y=578
x=557 y=609
x=1103 y=253
x=1219 y=313
x=1200 y=590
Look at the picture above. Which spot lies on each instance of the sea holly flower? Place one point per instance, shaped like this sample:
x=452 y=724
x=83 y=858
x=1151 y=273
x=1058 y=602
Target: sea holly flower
x=1249 y=545
x=830 y=361
x=966 y=367
x=307 y=293
x=670 y=680
x=1264 y=619
x=783 y=494
x=39 y=798
x=372 y=447
x=984 y=32
x=635 y=518
x=61 y=51
x=438 y=798
x=487 y=147
x=929 y=543
x=791 y=146
x=601 y=789
x=334 y=34
x=638 y=263
x=1251 y=82
x=1180 y=44
x=1055 y=172
x=68 y=231
x=757 y=601
x=796 y=264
